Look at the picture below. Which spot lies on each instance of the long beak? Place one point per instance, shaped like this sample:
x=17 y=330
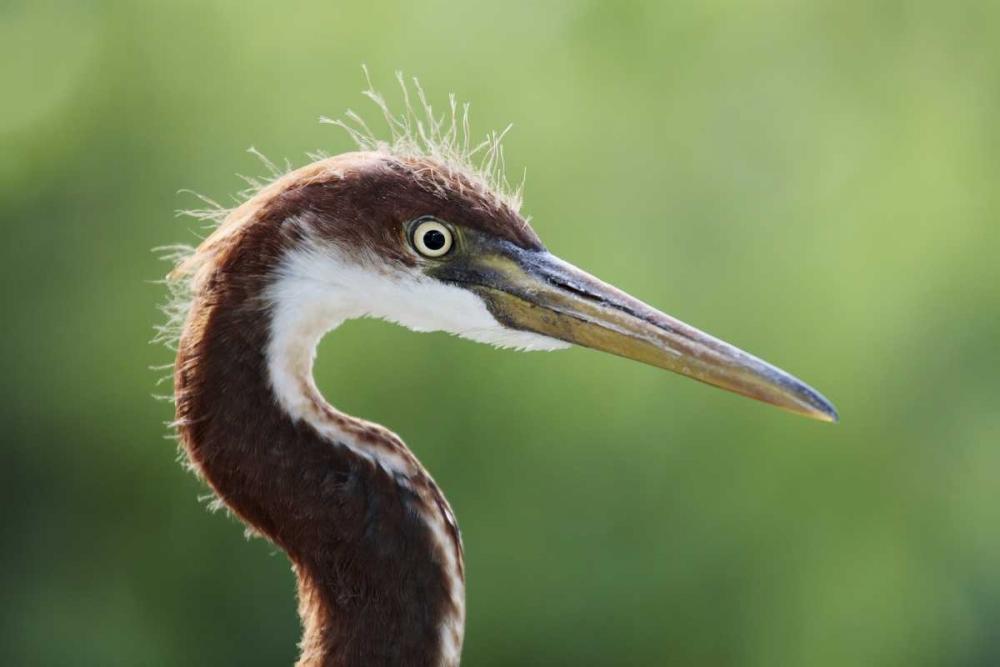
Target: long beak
x=536 y=291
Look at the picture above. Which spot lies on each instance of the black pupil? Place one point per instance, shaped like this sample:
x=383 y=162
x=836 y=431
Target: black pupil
x=434 y=239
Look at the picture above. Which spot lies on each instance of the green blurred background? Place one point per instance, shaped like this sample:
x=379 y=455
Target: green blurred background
x=817 y=182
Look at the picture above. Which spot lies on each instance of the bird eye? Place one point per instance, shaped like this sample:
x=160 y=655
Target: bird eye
x=432 y=239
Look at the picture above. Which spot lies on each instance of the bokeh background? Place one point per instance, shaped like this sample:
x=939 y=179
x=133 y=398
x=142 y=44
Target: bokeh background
x=817 y=182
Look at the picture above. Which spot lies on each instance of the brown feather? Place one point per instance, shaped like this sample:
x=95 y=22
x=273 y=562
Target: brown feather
x=372 y=585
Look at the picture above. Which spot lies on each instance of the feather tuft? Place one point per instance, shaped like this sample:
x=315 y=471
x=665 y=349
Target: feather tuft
x=417 y=131
x=446 y=138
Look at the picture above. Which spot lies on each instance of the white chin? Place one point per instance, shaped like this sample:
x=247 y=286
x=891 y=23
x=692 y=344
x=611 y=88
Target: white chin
x=317 y=284
x=525 y=341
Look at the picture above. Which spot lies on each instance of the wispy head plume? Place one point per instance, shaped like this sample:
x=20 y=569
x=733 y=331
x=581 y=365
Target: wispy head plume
x=418 y=131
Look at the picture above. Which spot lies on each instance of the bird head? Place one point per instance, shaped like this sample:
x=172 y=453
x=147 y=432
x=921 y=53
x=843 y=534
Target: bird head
x=416 y=242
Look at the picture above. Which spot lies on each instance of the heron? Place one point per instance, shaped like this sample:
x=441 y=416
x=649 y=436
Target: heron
x=424 y=230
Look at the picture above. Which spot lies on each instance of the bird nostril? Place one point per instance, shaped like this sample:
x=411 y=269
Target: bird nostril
x=575 y=289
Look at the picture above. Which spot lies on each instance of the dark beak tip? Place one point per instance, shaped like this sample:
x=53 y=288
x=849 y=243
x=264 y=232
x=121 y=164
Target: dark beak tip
x=823 y=410
x=832 y=413
x=830 y=416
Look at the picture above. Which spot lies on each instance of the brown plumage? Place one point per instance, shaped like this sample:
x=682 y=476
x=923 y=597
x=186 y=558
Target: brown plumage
x=371 y=587
x=424 y=239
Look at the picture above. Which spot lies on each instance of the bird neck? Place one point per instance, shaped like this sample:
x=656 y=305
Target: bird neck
x=373 y=543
